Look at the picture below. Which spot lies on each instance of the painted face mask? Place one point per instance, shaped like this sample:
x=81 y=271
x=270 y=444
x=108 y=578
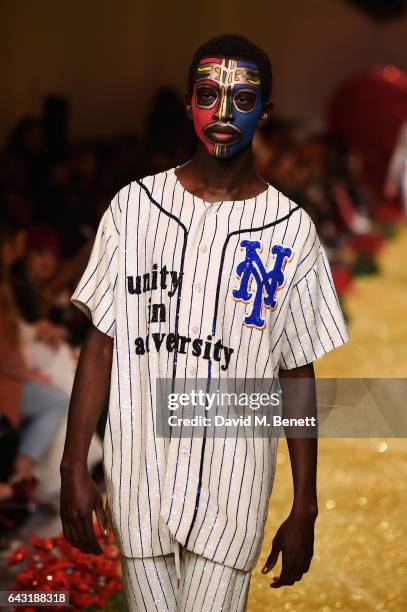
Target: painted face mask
x=226 y=104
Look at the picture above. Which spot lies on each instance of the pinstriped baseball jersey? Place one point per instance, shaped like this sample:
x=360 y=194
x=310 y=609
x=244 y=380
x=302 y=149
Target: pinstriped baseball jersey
x=187 y=289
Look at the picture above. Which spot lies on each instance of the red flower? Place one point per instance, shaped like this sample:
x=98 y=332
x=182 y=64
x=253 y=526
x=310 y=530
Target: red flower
x=42 y=543
x=17 y=556
x=53 y=564
x=83 y=600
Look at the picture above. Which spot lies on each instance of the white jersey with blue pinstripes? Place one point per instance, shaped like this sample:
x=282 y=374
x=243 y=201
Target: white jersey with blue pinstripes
x=165 y=281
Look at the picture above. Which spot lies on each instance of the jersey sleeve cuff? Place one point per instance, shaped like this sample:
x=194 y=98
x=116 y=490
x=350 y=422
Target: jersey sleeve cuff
x=105 y=326
x=302 y=360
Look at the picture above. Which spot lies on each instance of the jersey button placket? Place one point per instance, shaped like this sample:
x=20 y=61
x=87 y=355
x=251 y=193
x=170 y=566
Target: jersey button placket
x=192 y=287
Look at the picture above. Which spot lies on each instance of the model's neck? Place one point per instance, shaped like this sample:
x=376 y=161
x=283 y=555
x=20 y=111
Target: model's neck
x=223 y=173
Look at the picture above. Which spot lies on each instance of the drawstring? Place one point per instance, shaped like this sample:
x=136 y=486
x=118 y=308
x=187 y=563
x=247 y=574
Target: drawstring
x=176 y=545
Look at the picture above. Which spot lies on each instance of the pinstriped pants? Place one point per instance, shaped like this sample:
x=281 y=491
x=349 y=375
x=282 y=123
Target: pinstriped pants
x=151 y=585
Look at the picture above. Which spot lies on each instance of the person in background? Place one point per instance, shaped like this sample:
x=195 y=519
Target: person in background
x=33 y=272
x=396 y=182
x=27 y=400
x=41 y=282
x=168 y=142
x=26 y=148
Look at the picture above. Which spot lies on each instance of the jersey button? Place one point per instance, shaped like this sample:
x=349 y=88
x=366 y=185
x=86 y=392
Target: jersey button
x=204 y=248
x=193 y=370
x=195 y=329
x=198 y=287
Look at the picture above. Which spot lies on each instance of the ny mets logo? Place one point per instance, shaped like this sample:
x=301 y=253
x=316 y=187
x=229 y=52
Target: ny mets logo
x=267 y=283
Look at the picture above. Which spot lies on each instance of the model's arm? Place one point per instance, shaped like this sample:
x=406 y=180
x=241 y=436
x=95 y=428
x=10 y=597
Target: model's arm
x=295 y=538
x=79 y=494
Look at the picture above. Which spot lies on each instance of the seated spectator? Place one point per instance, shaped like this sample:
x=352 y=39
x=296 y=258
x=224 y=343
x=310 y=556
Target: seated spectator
x=32 y=274
x=27 y=399
x=41 y=281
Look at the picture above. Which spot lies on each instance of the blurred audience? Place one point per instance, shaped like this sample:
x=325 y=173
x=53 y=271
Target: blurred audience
x=27 y=399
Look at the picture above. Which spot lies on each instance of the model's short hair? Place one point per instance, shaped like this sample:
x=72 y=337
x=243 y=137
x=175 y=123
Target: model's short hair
x=239 y=47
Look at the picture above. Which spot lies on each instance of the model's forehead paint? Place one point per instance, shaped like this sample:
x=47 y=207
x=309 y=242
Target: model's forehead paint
x=226 y=71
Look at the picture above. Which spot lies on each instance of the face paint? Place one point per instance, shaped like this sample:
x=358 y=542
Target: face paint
x=226 y=104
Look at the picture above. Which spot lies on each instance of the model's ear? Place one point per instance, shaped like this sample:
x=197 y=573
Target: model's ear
x=266 y=114
x=188 y=107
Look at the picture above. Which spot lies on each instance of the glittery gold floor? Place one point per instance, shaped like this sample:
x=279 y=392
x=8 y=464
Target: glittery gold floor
x=360 y=560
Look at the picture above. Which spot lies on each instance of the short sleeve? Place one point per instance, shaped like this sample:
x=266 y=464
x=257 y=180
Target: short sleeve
x=95 y=293
x=315 y=324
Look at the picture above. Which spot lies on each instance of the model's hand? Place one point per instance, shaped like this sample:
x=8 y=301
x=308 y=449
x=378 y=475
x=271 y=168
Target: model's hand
x=79 y=498
x=295 y=540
